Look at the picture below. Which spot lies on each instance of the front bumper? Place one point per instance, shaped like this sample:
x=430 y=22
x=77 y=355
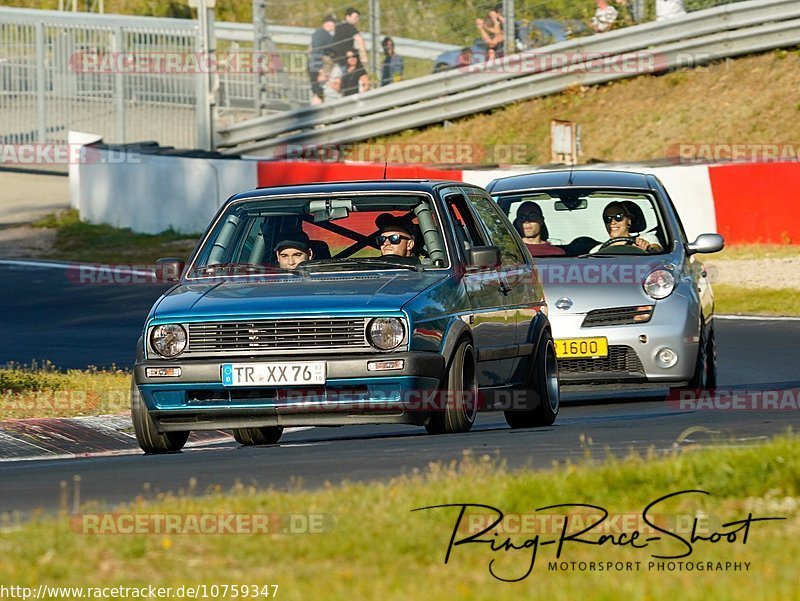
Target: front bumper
x=197 y=399
x=633 y=348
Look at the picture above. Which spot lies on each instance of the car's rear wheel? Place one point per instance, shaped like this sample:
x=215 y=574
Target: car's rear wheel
x=705 y=370
x=147 y=435
x=543 y=386
x=253 y=436
x=459 y=400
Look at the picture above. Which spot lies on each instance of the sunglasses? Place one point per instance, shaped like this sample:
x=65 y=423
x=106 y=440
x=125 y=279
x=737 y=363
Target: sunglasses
x=351 y=56
x=393 y=239
x=531 y=218
x=618 y=217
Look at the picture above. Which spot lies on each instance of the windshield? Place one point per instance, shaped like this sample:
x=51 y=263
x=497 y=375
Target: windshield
x=303 y=234
x=578 y=222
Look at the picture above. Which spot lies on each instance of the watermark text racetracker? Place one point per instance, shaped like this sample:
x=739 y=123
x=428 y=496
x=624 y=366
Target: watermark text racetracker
x=736 y=399
x=761 y=152
x=444 y=153
x=46 y=153
x=201 y=523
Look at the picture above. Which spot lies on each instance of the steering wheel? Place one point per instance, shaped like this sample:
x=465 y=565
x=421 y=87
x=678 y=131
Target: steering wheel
x=628 y=240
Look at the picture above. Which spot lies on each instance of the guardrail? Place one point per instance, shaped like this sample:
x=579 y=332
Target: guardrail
x=702 y=36
x=301 y=36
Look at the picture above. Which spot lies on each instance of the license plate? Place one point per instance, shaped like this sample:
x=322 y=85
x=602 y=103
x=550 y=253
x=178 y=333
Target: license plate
x=273 y=374
x=581 y=348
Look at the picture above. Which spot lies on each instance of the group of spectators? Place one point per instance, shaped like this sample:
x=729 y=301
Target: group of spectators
x=337 y=60
x=608 y=13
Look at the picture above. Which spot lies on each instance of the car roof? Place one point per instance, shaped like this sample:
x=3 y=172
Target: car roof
x=344 y=187
x=572 y=177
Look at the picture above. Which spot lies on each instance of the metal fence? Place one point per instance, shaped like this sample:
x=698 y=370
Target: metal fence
x=735 y=29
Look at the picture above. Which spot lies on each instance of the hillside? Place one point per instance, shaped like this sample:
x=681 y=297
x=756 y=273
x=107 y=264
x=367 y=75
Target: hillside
x=753 y=99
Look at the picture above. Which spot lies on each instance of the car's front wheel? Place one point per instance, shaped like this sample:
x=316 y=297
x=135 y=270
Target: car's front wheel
x=147 y=435
x=458 y=403
x=543 y=386
x=253 y=436
x=705 y=370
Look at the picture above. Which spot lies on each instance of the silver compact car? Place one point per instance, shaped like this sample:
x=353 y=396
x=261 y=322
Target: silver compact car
x=630 y=302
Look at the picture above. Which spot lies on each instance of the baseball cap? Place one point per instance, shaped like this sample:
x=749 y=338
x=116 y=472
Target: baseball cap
x=293 y=239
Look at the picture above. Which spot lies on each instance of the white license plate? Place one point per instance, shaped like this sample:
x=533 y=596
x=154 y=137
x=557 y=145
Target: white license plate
x=273 y=374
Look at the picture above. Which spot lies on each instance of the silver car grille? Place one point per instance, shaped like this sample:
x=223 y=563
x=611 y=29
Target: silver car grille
x=618 y=316
x=278 y=336
x=620 y=360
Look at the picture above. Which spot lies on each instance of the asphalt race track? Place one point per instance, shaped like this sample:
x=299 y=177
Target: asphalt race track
x=47 y=316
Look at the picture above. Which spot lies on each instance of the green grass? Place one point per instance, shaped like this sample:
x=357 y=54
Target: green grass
x=79 y=241
x=44 y=391
x=756 y=251
x=731 y=299
x=373 y=546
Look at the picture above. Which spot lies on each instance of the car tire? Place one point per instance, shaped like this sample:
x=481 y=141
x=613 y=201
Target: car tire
x=149 y=438
x=705 y=369
x=254 y=436
x=543 y=386
x=460 y=395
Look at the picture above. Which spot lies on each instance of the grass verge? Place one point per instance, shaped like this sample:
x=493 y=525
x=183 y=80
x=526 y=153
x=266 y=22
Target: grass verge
x=79 y=241
x=369 y=544
x=33 y=391
x=735 y=300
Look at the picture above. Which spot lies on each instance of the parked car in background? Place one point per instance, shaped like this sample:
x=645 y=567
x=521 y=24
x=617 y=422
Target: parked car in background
x=349 y=335
x=631 y=302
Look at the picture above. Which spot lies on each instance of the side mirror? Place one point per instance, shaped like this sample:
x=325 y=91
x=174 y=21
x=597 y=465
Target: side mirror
x=169 y=270
x=484 y=256
x=706 y=243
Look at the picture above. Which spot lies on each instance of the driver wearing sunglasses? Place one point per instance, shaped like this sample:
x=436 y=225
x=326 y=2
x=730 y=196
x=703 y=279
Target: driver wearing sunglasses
x=394 y=239
x=617 y=220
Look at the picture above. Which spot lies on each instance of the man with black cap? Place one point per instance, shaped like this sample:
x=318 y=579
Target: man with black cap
x=293 y=249
x=530 y=225
x=395 y=238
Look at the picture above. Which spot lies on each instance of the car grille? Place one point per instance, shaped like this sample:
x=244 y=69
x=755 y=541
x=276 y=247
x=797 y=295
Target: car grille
x=284 y=336
x=621 y=360
x=618 y=316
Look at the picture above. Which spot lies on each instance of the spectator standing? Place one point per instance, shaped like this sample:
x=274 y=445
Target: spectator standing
x=491 y=30
x=330 y=77
x=392 y=69
x=355 y=79
x=347 y=37
x=669 y=9
x=604 y=17
x=321 y=42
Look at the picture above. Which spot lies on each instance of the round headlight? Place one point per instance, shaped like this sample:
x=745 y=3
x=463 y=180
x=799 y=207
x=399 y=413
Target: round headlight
x=659 y=283
x=385 y=333
x=168 y=340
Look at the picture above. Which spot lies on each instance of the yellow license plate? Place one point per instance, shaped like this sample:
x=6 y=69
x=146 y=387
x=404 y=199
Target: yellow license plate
x=581 y=348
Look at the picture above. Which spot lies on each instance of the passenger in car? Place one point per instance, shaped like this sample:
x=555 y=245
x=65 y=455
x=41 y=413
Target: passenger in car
x=530 y=224
x=294 y=248
x=620 y=221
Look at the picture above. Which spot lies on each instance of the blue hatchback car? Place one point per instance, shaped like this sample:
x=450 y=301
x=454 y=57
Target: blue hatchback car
x=346 y=303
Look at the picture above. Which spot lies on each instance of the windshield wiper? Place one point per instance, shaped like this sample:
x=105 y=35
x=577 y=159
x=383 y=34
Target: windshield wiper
x=240 y=269
x=366 y=261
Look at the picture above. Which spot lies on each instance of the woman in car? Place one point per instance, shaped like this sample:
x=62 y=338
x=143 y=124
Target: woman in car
x=619 y=220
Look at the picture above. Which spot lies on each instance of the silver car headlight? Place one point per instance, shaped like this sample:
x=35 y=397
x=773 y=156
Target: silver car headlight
x=659 y=283
x=168 y=340
x=385 y=333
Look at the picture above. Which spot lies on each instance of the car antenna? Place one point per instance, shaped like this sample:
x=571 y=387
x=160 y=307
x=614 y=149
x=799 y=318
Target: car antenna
x=571 y=172
x=385 y=168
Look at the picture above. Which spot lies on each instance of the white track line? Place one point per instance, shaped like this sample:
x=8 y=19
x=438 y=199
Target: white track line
x=117 y=269
x=756 y=318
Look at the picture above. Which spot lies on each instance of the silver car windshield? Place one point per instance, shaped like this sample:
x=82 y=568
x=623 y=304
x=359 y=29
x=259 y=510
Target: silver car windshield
x=302 y=234
x=578 y=222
